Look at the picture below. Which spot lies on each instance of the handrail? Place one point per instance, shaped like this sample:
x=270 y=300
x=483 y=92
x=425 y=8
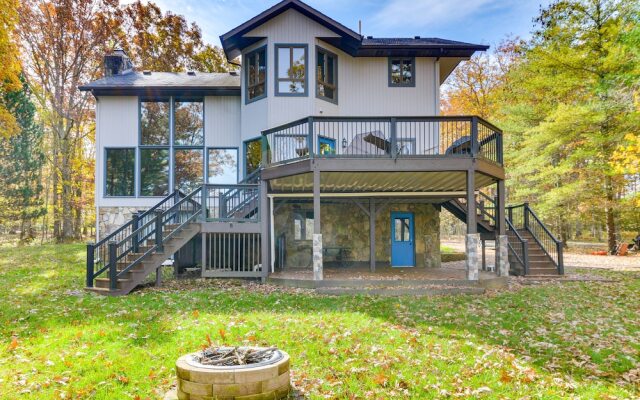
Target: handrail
x=524 y=260
x=159 y=225
x=549 y=244
x=126 y=239
x=239 y=196
x=375 y=136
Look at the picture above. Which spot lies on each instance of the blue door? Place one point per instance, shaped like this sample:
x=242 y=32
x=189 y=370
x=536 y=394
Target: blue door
x=402 y=243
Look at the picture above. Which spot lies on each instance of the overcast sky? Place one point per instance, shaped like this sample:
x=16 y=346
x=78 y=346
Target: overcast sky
x=475 y=21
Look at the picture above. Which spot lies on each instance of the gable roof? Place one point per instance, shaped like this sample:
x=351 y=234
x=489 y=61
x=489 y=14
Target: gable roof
x=348 y=41
x=233 y=41
x=166 y=83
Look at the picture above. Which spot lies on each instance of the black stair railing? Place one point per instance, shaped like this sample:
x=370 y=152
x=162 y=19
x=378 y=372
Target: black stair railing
x=232 y=203
x=518 y=246
x=104 y=255
x=524 y=218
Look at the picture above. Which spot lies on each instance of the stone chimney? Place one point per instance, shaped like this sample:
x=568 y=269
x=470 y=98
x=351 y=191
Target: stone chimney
x=117 y=63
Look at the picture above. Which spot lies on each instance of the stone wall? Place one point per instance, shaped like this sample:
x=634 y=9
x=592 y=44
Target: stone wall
x=344 y=224
x=111 y=218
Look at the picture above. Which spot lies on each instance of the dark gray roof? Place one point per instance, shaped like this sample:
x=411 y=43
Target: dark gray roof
x=348 y=41
x=417 y=42
x=136 y=82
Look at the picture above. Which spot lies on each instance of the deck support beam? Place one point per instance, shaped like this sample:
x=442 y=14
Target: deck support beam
x=472 y=239
x=317 y=229
x=502 y=240
x=372 y=235
x=265 y=245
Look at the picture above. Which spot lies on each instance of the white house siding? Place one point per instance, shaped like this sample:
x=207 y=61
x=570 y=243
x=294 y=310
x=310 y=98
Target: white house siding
x=117 y=126
x=363 y=88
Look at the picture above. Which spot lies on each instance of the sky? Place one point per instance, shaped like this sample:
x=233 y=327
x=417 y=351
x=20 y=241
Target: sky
x=474 y=21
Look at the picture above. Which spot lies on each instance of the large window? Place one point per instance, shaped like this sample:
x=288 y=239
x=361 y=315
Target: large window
x=402 y=72
x=256 y=74
x=154 y=123
x=252 y=155
x=188 y=123
x=223 y=166
x=154 y=172
x=187 y=169
x=171 y=145
x=120 y=172
x=303 y=225
x=326 y=75
x=291 y=65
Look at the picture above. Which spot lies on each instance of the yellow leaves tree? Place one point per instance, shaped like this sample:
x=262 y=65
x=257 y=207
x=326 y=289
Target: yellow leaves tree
x=10 y=71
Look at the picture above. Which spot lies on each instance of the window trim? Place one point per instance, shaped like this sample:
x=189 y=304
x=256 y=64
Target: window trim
x=104 y=175
x=413 y=72
x=320 y=49
x=277 y=80
x=244 y=153
x=206 y=167
x=245 y=63
x=303 y=215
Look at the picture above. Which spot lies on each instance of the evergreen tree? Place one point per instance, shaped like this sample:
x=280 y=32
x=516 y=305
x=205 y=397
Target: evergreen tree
x=21 y=161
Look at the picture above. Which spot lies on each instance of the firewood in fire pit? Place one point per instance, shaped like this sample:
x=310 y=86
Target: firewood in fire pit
x=225 y=356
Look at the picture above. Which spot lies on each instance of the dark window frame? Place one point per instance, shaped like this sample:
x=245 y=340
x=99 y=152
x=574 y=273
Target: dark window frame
x=238 y=159
x=412 y=83
x=171 y=146
x=335 y=78
x=277 y=79
x=105 y=174
x=246 y=57
x=244 y=154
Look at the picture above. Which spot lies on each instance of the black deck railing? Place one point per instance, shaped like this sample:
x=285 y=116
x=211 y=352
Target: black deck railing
x=371 y=137
x=232 y=203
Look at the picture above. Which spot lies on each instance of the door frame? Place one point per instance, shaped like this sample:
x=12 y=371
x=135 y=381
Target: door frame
x=412 y=234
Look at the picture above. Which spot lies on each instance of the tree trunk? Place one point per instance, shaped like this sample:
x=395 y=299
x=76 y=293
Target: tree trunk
x=67 y=192
x=610 y=217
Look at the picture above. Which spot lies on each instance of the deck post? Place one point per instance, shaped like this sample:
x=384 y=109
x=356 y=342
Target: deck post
x=502 y=240
x=372 y=235
x=317 y=231
x=264 y=231
x=472 y=238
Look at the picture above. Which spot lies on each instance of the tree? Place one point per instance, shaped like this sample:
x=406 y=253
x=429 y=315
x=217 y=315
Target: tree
x=63 y=42
x=573 y=104
x=160 y=41
x=21 y=162
x=9 y=73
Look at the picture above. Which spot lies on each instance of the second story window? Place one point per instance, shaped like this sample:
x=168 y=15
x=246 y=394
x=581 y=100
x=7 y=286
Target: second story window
x=256 y=74
x=326 y=75
x=402 y=71
x=154 y=123
x=291 y=66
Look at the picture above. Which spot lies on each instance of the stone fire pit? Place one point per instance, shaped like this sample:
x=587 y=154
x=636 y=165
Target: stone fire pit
x=266 y=379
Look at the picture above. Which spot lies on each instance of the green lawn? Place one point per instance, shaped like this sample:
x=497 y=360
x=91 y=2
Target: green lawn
x=578 y=340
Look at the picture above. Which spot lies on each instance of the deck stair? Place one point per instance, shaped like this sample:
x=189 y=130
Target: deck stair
x=123 y=260
x=533 y=249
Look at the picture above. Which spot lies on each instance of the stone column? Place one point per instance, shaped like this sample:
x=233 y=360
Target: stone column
x=432 y=250
x=317 y=257
x=472 y=241
x=502 y=255
x=317 y=230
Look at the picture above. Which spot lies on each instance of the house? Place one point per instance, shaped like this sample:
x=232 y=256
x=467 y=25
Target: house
x=326 y=150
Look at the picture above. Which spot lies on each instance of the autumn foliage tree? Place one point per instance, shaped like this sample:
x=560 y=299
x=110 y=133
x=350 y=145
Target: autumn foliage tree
x=9 y=73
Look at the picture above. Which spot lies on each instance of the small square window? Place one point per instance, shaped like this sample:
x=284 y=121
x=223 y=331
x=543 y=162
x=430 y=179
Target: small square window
x=402 y=72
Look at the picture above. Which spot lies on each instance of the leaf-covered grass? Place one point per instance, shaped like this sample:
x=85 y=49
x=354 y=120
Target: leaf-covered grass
x=553 y=341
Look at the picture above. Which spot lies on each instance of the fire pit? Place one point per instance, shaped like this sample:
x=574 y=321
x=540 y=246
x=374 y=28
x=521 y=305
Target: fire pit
x=233 y=373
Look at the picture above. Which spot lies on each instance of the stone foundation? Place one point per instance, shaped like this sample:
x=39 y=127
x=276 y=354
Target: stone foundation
x=472 y=241
x=502 y=255
x=344 y=224
x=111 y=218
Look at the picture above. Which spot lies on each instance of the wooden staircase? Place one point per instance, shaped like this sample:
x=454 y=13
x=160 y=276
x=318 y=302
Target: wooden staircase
x=540 y=264
x=136 y=275
x=123 y=260
x=533 y=250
